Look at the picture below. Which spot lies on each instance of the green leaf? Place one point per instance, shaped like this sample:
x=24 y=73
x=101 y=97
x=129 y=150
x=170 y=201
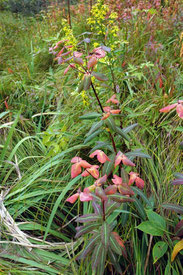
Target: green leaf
x=86 y=229
x=159 y=250
x=87 y=82
x=127 y=129
x=81 y=86
x=149 y=228
x=108 y=165
x=105 y=234
x=156 y=219
x=114 y=261
x=90 y=116
x=142 y=195
x=173 y=207
x=137 y=153
x=99 y=76
x=120 y=198
x=111 y=124
x=101 y=264
x=89 y=247
x=93 y=136
x=96 y=256
x=114 y=245
x=88 y=218
x=122 y=133
x=140 y=208
x=95 y=127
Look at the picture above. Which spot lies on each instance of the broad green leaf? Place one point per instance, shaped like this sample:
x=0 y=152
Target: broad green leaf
x=90 y=116
x=149 y=228
x=173 y=207
x=127 y=129
x=159 y=249
x=119 y=131
x=178 y=247
x=137 y=153
x=156 y=219
x=111 y=124
x=93 y=136
x=95 y=127
x=105 y=234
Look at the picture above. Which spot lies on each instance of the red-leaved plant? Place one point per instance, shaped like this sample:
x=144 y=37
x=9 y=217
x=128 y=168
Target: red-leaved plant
x=111 y=185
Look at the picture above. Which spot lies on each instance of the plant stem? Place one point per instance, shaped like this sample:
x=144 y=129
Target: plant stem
x=148 y=253
x=103 y=208
x=97 y=97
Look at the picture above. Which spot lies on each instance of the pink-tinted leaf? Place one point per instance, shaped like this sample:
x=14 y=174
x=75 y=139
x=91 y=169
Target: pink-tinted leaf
x=179 y=110
x=125 y=190
x=75 y=170
x=114 y=112
x=101 y=156
x=99 y=76
x=107 y=109
x=139 y=183
x=99 y=52
x=92 y=62
x=99 y=192
x=121 y=243
x=77 y=54
x=113 y=99
x=91 y=171
x=85 y=196
x=168 y=108
x=76 y=159
x=126 y=161
x=101 y=180
x=111 y=189
x=78 y=60
x=105 y=116
x=85 y=164
x=117 y=180
x=179 y=229
x=133 y=177
x=73 y=198
x=60 y=52
x=66 y=70
x=177 y=182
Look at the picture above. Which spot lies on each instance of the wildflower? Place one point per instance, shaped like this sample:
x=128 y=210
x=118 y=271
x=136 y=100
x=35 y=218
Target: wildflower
x=178 y=106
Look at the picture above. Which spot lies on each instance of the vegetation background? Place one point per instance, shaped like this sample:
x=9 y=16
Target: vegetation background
x=40 y=130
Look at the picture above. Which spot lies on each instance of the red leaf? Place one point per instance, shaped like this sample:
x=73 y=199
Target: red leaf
x=75 y=170
x=73 y=198
x=92 y=62
x=84 y=196
x=101 y=180
x=139 y=183
x=76 y=159
x=113 y=99
x=117 y=180
x=101 y=156
x=179 y=110
x=110 y=190
x=168 y=108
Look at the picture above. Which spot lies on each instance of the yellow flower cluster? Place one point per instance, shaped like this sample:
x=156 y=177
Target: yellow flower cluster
x=85 y=98
x=103 y=23
x=68 y=33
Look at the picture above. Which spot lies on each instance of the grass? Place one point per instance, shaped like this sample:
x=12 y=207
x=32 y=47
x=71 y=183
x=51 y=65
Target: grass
x=41 y=132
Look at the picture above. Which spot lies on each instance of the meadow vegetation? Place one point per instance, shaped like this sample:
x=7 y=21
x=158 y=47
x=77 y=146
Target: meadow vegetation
x=91 y=140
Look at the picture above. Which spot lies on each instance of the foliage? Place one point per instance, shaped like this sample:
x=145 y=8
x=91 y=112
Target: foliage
x=50 y=115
